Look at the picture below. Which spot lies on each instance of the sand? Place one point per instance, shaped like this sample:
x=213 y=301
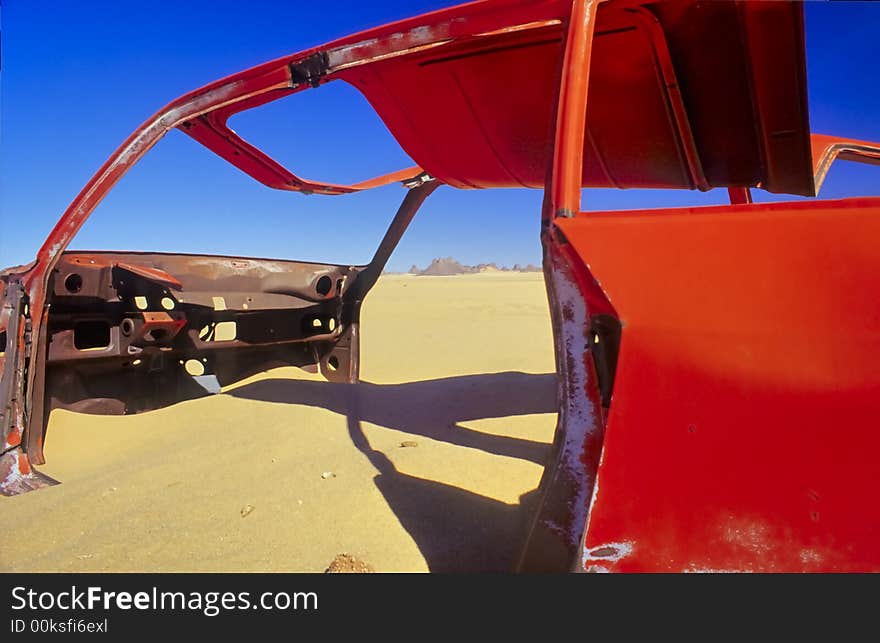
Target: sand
x=430 y=464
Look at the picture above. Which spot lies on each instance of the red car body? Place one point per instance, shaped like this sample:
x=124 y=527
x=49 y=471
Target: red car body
x=719 y=367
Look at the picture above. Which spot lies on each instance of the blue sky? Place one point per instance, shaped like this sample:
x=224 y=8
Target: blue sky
x=77 y=77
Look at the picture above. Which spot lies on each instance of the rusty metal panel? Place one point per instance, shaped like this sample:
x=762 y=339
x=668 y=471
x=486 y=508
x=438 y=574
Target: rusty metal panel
x=17 y=476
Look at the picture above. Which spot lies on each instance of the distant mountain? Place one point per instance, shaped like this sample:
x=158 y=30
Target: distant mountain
x=446 y=266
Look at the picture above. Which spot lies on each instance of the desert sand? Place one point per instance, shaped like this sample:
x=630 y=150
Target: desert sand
x=429 y=464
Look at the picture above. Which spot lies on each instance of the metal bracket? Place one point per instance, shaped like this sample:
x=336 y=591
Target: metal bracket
x=417 y=181
x=310 y=70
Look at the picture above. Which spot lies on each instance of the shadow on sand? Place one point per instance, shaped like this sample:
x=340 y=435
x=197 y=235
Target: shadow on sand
x=455 y=530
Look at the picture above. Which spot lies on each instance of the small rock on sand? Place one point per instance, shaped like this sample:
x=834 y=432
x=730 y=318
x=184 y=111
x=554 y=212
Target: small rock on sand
x=348 y=564
x=246 y=510
x=408 y=444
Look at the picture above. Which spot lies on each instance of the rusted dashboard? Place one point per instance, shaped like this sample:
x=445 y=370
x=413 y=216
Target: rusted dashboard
x=133 y=331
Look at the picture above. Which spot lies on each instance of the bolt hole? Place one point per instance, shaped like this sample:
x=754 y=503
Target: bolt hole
x=324 y=285
x=73 y=283
x=91 y=334
x=194 y=367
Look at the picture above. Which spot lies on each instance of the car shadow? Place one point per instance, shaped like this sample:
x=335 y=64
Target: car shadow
x=455 y=530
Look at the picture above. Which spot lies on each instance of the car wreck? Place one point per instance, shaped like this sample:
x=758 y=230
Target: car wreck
x=718 y=369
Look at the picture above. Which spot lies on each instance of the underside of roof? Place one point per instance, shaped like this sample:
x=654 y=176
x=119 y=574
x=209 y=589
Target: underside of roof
x=682 y=94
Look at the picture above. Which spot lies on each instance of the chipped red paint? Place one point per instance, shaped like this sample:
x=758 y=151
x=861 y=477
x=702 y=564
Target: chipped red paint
x=13 y=439
x=557 y=529
x=24 y=467
x=162 y=323
x=17 y=476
